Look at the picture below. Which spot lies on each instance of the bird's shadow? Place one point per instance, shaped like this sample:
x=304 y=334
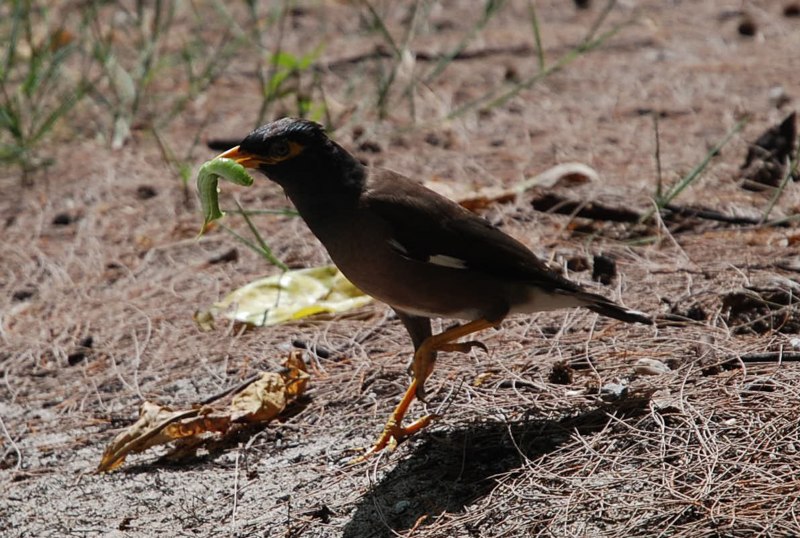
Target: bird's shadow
x=449 y=472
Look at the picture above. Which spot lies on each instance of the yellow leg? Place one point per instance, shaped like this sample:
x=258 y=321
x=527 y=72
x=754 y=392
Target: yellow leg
x=393 y=432
x=421 y=368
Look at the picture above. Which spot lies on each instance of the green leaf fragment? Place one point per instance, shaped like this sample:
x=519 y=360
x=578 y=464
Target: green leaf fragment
x=207 y=180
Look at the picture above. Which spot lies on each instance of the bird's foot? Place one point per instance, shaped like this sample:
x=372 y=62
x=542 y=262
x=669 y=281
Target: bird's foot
x=393 y=434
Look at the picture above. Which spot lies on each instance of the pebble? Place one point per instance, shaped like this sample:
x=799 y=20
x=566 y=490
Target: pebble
x=650 y=367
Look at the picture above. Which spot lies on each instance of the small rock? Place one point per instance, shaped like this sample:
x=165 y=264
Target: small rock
x=81 y=351
x=561 y=374
x=145 y=192
x=228 y=256
x=604 y=269
x=747 y=27
x=650 y=367
x=577 y=264
x=22 y=295
x=63 y=219
x=370 y=146
x=778 y=97
x=613 y=391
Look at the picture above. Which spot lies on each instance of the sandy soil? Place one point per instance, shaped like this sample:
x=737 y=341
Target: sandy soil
x=102 y=246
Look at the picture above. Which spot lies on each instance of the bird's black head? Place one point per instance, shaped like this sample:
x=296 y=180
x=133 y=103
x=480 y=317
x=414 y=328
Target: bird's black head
x=291 y=151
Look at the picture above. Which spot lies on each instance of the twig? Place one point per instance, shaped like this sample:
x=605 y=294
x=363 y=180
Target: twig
x=381 y=53
x=659 y=184
x=710 y=214
x=769 y=356
x=235 y=494
x=13 y=445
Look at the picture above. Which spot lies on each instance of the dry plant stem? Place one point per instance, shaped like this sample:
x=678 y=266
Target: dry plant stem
x=490 y=8
x=13 y=444
x=695 y=173
x=235 y=492
x=264 y=81
x=385 y=84
x=425 y=56
x=659 y=176
x=492 y=99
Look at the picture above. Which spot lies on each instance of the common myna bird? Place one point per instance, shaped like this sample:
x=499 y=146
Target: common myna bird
x=413 y=249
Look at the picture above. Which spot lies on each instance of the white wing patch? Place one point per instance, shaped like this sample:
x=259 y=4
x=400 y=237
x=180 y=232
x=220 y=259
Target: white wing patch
x=398 y=246
x=442 y=260
x=447 y=261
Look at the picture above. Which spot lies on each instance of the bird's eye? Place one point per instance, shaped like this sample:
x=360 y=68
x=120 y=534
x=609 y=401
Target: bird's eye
x=279 y=149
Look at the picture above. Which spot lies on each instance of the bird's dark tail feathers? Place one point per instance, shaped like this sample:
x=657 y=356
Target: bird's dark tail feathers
x=605 y=307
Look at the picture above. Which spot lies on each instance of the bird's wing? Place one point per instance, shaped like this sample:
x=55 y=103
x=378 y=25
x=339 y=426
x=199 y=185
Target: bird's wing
x=428 y=227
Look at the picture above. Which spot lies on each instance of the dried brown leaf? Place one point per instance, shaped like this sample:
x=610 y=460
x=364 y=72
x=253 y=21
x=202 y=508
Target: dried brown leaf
x=260 y=401
x=150 y=430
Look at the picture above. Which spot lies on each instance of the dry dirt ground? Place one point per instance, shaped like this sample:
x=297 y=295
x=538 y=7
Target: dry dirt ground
x=553 y=432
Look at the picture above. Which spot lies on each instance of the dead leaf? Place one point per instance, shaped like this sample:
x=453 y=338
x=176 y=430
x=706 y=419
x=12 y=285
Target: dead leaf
x=561 y=175
x=769 y=156
x=259 y=401
x=146 y=432
x=296 y=377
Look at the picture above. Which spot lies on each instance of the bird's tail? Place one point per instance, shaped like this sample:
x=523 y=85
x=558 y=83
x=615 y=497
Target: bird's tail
x=605 y=307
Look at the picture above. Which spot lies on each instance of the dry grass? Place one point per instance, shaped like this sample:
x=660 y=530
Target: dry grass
x=706 y=449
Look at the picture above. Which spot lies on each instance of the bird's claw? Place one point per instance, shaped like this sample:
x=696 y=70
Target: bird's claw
x=394 y=434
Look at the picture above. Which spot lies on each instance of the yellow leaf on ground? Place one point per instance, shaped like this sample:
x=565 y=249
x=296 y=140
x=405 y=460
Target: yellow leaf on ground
x=291 y=295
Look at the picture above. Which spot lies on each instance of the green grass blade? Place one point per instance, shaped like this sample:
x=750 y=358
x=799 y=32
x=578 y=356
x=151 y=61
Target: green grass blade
x=263 y=248
x=492 y=99
x=537 y=35
x=695 y=173
x=489 y=10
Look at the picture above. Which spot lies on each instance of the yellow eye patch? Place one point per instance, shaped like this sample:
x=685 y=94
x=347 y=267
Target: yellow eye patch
x=295 y=149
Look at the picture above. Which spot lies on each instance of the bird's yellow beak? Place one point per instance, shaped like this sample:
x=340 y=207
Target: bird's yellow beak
x=248 y=160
